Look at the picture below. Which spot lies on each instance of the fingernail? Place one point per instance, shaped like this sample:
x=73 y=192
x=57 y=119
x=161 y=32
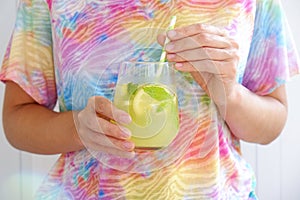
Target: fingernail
x=125 y=118
x=128 y=145
x=178 y=65
x=172 y=33
x=169 y=47
x=125 y=132
x=170 y=56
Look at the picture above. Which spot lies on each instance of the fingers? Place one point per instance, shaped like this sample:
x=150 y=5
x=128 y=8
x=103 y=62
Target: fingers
x=198 y=41
x=161 y=39
x=195 y=29
x=99 y=130
x=111 y=150
x=221 y=68
x=113 y=130
x=208 y=53
x=202 y=44
x=109 y=137
x=202 y=54
x=106 y=116
x=210 y=60
x=106 y=110
x=202 y=48
x=108 y=128
x=102 y=140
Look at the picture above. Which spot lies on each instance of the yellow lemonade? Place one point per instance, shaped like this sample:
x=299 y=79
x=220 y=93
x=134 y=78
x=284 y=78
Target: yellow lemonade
x=154 y=112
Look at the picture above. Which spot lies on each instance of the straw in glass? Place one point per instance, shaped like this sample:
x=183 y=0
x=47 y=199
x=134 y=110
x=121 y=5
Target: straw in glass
x=171 y=26
x=164 y=53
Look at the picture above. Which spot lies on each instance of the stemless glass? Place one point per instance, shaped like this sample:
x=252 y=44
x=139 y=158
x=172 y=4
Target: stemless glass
x=147 y=91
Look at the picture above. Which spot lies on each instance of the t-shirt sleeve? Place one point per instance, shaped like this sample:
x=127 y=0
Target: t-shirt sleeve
x=28 y=60
x=273 y=58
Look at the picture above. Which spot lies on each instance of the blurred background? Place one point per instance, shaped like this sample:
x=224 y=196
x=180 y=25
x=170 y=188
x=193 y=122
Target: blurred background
x=277 y=165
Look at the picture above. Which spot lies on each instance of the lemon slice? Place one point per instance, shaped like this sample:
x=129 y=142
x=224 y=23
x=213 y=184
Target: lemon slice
x=151 y=107
x=148 y=100
x=140 y=107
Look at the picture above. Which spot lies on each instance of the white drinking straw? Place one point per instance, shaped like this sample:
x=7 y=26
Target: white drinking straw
x=171 y=26
x=164 y=53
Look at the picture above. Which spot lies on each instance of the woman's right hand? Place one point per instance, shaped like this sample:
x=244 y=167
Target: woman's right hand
x=98 y=131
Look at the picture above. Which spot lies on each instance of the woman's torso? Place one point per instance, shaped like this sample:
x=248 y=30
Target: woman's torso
x=90 y=39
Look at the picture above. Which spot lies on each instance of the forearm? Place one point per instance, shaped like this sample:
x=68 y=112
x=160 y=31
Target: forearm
x=42 y=131
x=254 y=118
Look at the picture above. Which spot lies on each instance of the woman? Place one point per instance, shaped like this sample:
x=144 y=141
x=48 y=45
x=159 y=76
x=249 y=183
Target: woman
x=238 y=52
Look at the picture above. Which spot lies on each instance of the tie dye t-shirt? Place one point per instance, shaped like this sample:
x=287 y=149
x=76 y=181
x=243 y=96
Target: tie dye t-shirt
x=66 y=51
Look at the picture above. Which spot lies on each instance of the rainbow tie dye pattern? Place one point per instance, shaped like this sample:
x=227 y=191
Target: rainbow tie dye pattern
x=57 y=45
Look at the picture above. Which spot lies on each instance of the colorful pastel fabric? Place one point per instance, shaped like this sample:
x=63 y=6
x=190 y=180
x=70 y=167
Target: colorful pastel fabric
x=70 y=50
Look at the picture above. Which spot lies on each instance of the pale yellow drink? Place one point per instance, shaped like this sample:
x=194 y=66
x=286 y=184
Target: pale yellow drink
x=154 y=112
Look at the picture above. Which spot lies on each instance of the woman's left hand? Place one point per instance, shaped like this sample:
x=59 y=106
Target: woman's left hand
x=209 y=54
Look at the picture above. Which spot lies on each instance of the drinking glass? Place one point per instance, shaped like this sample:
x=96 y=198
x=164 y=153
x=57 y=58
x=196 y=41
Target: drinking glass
x=147 y=91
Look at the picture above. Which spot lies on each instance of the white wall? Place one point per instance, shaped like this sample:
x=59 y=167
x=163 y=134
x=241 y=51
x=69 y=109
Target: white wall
x=290 y=148
x=9 y=158
x=277 y=165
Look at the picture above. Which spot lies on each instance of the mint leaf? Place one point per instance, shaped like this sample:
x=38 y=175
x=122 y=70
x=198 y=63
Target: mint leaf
x=157 y=93
x=131 y=88
x=162 y=106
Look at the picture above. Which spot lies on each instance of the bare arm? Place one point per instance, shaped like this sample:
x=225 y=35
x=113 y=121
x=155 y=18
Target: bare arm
x=255 y=118
x=251 y=117
x=31 y=127
x=212 y=57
